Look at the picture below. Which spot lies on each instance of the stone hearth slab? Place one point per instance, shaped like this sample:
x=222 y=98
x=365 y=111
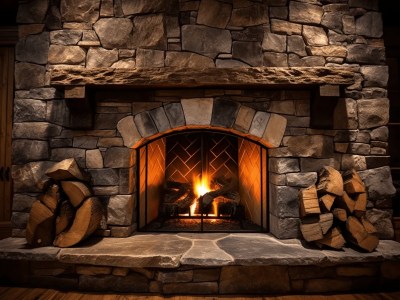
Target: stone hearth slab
x=208 y=249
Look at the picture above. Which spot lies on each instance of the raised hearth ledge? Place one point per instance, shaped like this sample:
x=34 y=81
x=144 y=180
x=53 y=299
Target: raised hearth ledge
x=206 y=77
x=208 y=250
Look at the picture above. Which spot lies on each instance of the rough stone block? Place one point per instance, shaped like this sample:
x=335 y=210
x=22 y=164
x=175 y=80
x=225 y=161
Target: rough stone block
x=30 y=177
x=249 y=52
x=29 y=76
x=315 y=36
x=244 y=118
x=274 y=42
x=114 y=32
x=104 y=176
x=142 y=7
x=188 y=60
x=283 y=165
x=33 y=49
x=160 y=119
x=118 y=157
x=157 y=39
x=101 y=58
x=272 y=59
x=133 y=283
x=375 y=76
x=286 y=201
x=71 y=55
x=147 y=58
x=254 y=279
x=284 y=228
x=251 y=15
x=302 y=179
x=315 y=164
x=94 y=159
x=192 y=109
x=305 y=13
x=29 y=150
x=205 y=40
x=365 y=54
x=85 y=142
x=129 y=132
x=175 y=276
x=214 y=13
x=145 y=124
x=345 y=114
x=78 y=11
x=204 y=275
x=327 y=285
x=224 y=113
x=274 y=130
x=175 y=115
x=120 y=210
x=59 y=154
x=22 y=202
x=65 y=37
x=122 y=231
x=373 y=112
x=370 y=25
x=32 y=12
x=318 y=146
x=259 y=123
x=93 y=270
x=378 y=183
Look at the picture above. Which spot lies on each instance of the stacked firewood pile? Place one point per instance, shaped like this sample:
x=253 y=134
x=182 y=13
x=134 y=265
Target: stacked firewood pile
x=333 y=211
x=66 y=212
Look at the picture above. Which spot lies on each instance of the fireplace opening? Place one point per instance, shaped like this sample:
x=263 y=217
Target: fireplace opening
x=202 y=181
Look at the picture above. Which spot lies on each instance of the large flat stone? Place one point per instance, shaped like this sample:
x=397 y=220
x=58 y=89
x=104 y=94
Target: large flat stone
x=18 y=249
x=150 y=250
x=206 y=253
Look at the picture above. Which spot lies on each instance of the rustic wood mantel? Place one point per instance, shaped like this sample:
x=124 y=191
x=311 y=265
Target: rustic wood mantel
x=76 y=81
x=169 y=77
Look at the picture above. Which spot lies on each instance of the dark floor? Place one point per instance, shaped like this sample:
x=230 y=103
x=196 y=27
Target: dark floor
x=25 y=293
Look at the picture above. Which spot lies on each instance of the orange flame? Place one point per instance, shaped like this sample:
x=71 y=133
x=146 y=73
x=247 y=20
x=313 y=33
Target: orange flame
x=201 y=186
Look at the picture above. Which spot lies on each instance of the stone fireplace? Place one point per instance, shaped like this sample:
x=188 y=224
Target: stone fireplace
x=249 y=97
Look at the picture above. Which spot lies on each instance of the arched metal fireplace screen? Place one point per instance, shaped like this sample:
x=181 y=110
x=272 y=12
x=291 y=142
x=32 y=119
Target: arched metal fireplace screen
x=202 y=181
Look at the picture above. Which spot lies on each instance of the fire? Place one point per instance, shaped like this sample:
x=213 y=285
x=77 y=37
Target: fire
x=202 y=186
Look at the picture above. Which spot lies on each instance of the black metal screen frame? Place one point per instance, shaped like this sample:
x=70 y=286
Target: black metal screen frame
x=202 y=215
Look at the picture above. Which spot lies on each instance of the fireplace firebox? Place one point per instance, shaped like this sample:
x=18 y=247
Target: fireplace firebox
x=202 y=181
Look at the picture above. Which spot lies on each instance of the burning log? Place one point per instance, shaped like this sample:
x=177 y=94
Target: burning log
x=228 y=186
x=346 y=198
x=177 y=199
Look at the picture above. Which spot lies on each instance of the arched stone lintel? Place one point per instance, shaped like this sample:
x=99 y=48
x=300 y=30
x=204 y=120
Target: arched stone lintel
x=203 y=113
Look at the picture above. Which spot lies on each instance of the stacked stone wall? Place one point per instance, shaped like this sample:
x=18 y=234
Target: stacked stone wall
x=201 y=34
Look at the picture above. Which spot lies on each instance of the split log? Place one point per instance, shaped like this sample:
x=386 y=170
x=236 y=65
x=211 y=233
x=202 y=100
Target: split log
x=76 y=191
x=175 y=190
x=368 y=226
x=352 y=182
x=51 y=198
x=311 y=231
x=227 y=187
x=330 y=181
x=67 y=169
x=333 y=239
x=327 y=201
x=360 y=206
x=65 y=217
x=87 y=220
x=340 y=214
x=309 y=201
x=326 y=222
x=359 y=236
x=346 y=203
x=40 y=227
x=227 y=205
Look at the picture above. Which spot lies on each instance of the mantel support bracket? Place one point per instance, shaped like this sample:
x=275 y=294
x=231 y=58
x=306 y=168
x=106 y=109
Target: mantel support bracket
x=80 y=106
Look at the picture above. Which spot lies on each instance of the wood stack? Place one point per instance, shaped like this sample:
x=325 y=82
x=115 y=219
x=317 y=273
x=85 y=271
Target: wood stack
x=66 y=213
x=332 y=212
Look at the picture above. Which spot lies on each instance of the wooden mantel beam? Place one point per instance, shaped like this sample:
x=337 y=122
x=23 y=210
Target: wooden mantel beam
x=169 y=77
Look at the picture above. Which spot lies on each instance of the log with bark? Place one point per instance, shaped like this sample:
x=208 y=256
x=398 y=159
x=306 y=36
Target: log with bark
x=226 y=186
x=86 y=221
x=40 y=227
x=341 y=207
